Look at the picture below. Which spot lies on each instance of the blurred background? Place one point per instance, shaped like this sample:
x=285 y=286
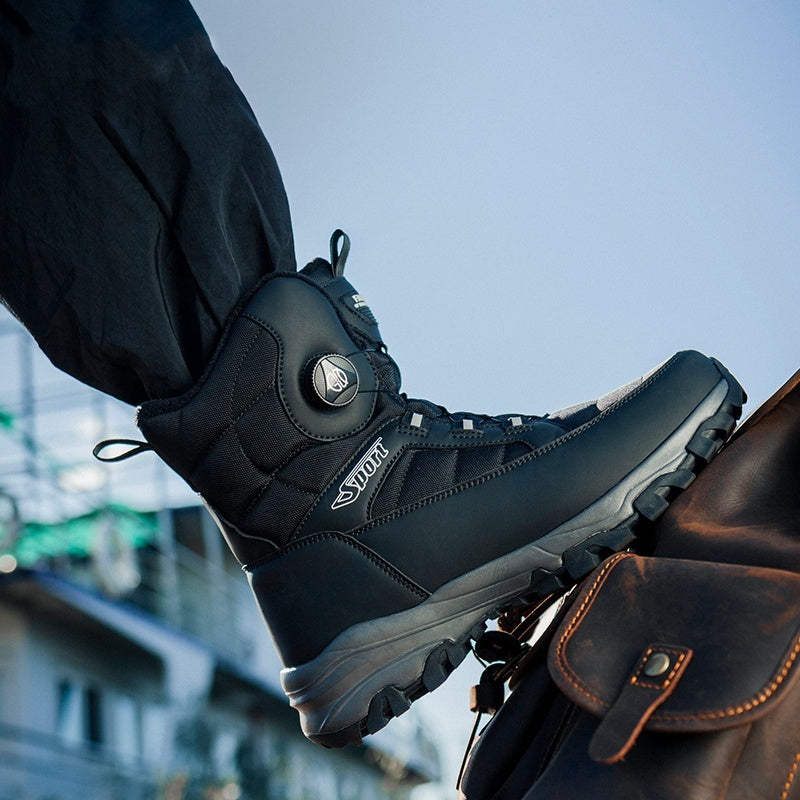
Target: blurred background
x=545 y=200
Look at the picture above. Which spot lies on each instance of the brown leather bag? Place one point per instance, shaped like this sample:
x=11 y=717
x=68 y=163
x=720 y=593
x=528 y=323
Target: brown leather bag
x=673 y=675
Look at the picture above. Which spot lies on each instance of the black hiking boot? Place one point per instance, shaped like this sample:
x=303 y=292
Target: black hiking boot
x=379 y=533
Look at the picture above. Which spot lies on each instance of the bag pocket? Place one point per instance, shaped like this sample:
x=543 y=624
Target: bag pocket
x=704 y=653
x=668 y=680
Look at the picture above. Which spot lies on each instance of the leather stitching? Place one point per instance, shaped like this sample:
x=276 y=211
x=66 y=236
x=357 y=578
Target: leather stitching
x=664 y=716
x=228 y=427
x=274 y=475
x=747 y=706
x=294 y=487
x=234 y=383
x=790 y=779
x=680 y=657
x=282 y=382
x=268 y=475
x=374 y=558
x=231 y=419
x=511 y=465
x=387 y=472
x=371 y=431
x=408 y=430
x=588 y=601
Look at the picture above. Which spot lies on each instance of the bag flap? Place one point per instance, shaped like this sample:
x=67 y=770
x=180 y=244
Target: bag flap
x=674 y=645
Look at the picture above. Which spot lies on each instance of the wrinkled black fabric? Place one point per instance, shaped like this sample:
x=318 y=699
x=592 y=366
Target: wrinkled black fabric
x=139 y=199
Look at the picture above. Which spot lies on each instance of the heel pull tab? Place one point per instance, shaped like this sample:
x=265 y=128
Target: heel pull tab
x=135 y=445
x=339 y=257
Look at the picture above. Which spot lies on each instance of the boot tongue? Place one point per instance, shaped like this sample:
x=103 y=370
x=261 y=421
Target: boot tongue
x=329 y=276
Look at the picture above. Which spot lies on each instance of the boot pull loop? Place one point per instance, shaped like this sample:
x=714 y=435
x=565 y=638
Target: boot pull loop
x=339 y=257
x=136 y=448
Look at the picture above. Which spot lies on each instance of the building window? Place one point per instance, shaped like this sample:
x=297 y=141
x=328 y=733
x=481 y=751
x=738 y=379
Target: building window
x=69 y=715
x=79 y=714
x=93 y=726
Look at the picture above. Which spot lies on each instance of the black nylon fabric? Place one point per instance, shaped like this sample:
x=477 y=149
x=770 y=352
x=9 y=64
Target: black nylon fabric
x=139 y=199
x=232 y=438
x=425 y=472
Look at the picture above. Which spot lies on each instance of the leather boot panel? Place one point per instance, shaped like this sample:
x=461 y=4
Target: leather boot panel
x=355 y=584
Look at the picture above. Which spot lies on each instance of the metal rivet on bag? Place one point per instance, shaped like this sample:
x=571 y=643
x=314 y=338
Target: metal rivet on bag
x=656 y=665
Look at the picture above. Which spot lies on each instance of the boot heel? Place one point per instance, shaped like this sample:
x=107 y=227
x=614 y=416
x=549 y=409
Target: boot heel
x=319 y=587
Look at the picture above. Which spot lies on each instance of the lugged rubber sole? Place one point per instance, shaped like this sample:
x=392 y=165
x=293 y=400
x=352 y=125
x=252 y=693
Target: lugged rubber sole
x=373 y=671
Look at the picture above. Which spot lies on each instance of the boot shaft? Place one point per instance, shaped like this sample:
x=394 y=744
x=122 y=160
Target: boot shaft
x=297 y=384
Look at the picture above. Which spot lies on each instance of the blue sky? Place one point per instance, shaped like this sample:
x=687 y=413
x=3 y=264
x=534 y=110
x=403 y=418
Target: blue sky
x=545 y=199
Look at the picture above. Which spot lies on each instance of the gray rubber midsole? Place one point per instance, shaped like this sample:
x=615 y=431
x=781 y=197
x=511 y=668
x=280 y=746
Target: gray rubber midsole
x=333 y=691
x=618 y=503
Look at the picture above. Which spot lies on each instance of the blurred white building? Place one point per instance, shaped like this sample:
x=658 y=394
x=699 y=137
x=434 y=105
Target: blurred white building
x=134 y=664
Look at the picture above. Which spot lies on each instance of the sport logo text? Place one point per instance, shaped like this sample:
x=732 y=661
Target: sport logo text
x=352 y=486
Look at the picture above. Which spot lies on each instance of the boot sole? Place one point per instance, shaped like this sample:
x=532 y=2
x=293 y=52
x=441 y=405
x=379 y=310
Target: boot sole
x=374 y=670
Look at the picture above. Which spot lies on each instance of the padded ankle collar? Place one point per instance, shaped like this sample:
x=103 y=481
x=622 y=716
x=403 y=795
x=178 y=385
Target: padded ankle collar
x=343 y=295
x=306 y=325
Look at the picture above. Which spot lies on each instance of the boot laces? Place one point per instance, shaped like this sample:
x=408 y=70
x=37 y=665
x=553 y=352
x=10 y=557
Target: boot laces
x=430 y=409
x=379 y=352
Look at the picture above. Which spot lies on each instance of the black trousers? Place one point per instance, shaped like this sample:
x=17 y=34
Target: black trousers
x=139 y=200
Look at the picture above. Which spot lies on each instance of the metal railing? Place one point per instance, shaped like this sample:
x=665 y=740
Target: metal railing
x=35 y=766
